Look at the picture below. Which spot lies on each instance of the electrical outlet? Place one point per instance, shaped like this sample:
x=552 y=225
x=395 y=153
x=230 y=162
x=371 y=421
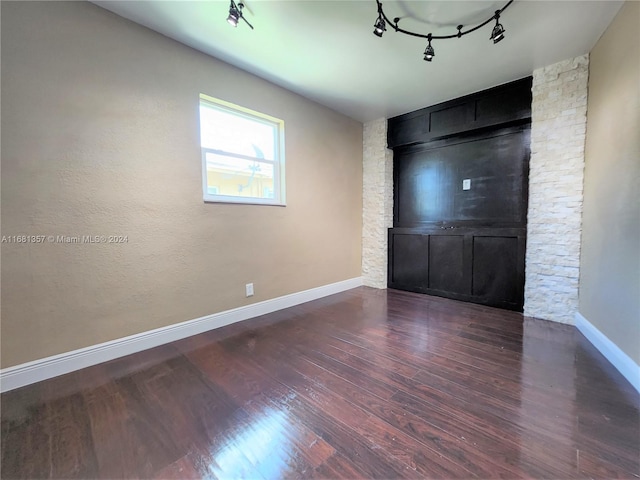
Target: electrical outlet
x=466 y=184
x=249 y=289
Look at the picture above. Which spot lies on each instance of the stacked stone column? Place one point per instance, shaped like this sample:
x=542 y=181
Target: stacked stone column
x=554 y=224
x=377 y=202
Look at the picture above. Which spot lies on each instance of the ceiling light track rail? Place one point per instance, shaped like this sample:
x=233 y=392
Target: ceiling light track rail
x=380 y=26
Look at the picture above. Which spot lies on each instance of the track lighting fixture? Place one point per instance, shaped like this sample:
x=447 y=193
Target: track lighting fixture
x=498 y=31
x=380 y=27
x=235 y=14
x=429 y=53
x=382 y=21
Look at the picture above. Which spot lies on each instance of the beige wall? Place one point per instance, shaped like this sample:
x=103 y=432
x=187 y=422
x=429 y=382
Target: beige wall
x=100 y=137
x=610 y=259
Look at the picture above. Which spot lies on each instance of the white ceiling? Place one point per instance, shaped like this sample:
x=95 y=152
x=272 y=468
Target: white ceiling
x=326 y=51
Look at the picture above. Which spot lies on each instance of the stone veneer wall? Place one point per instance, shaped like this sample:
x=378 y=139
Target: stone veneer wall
x=556 y=172
x=377 y=202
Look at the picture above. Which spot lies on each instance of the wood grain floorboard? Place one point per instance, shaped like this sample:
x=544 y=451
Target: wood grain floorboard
x=363 y=384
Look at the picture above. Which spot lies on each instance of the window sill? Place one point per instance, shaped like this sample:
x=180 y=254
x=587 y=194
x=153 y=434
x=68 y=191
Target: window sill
x=245 y=201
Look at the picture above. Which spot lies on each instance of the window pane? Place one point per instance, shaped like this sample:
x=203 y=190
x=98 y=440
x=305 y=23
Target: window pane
x=239 y=178
x=222 y=130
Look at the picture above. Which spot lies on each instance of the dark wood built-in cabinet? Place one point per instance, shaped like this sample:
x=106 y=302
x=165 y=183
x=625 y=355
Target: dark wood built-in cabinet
x=482 y=266
x=460 y=197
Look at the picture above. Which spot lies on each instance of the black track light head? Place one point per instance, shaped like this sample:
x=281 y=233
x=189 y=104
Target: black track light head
x=497 y=33
x=235 y=14
x=380 y=27
x=429 y=52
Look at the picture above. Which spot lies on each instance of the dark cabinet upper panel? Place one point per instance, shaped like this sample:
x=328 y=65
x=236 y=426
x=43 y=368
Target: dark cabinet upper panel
x=450 y=119
x=498 y=106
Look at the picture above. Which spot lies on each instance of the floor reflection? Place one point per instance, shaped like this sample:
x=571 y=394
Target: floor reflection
x=604 y=419
x=547 y=415
x=263 y=442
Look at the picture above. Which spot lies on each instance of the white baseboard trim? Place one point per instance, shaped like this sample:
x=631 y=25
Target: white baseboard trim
x=623 y=363
x=49 y=367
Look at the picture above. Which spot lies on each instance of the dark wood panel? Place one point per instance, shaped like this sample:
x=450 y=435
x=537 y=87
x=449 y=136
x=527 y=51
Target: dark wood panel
x=497 y=107
x=429 y=188
x=407 y=130
x=364 y=384
x=446 y=262
x=423 y=183
x=451 y=119
x=495 y=269
x=504 y=105
x=410 y=259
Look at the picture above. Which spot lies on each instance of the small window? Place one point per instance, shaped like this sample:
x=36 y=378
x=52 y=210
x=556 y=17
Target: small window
x=242 y=154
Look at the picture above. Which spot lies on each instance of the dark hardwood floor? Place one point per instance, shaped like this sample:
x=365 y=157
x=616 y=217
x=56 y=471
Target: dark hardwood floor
x=363 y=384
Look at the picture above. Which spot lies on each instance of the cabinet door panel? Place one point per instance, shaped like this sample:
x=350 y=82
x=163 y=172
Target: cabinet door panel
x=410 y=260
x=446 y=261
x=495 y=269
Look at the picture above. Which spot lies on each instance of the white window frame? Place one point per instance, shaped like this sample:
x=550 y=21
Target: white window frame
x=279 y=190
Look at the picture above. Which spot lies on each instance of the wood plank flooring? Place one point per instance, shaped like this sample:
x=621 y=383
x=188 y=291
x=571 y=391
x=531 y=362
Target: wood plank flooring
x=364 y=384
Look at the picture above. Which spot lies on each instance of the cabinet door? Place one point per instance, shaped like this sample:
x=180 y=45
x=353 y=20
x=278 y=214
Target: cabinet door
x=496 y=272
x=409 y=261
x=446 y=262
